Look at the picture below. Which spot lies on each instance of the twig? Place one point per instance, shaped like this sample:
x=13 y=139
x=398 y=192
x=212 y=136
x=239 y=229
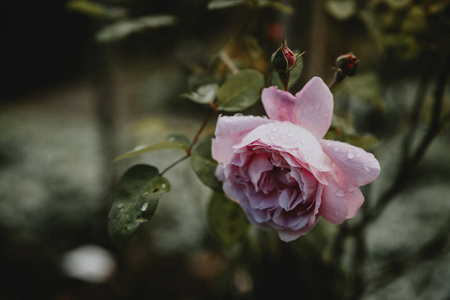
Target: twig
x=228 y=62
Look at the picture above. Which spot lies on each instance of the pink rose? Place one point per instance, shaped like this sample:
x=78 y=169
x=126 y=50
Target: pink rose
x=281 y=171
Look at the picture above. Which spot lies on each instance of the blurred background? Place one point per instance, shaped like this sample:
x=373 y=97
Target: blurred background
x=85 y=81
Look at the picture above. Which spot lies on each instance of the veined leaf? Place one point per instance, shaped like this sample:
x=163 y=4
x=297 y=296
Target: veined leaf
x=240 y=91
x=135 y=201
x=174 y=141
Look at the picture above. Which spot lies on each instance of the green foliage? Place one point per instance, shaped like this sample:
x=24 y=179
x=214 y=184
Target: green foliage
x=227 y=220
x=219 y=4
x=95 y=9
x=204 y=165
x=240 y=91
x=341 y=131
x=121 y=29
x=173 y=141
x=341 y=9
x=204 y=94
x=296 y=72
x=135 y=201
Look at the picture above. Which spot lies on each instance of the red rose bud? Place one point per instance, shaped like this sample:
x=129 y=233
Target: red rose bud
x=347 y=64
x=283 y=60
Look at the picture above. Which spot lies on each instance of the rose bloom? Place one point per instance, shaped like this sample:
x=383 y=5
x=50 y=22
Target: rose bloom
x=281 y=171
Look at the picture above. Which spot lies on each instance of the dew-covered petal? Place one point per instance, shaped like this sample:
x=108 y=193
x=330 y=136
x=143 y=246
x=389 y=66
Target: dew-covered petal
x=334 y=206
x=354 y=199
x=313 y=107
x=355 y=165
x=278 y=104
x=230 y=131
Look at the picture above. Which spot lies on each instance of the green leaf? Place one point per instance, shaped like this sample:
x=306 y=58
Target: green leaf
x=122 y=29
x=281 y=7
x=205 y=94
x=296 y=72
x=240 y=91
x=204 y=165
x=95 y=9
x=341 y=9
x=173 y=141
x=227 y=220
x=219 y=4
x=135 y=201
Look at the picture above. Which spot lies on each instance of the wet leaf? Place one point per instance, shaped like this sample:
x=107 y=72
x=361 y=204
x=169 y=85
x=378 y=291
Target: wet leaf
x=173 y=141
x=227 y=220
x=121 y=29
x=135 y=200
x=204 y=165
x=204 y=94
x=240 y=91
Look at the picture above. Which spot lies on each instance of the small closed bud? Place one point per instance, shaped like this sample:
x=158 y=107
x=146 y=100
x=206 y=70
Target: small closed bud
x=347 y=64
x=283 y=60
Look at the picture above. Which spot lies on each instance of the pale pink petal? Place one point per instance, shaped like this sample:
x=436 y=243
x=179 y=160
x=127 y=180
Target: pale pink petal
x=334 y=206
x=313 y=108
x=354 y=164
x=230 y=131
x=355 y=199
x=288 y=235
x=278 y=104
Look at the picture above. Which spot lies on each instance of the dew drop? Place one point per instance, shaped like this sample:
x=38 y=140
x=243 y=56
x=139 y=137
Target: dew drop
x=290 y=134
x=275 y=129
x=328 y=144
x=351 y=189
x=340 y=193
x=351 y=154
x=366 y=167
x=336 y=149
x=262 y=127
x=144 y=206
x=370 y=160
x=238 y=115
x=303 y=141
x=333 y=165
x=163 y=185
x=358 y=155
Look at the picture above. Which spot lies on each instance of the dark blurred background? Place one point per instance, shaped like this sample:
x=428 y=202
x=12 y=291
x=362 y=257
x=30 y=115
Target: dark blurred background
x=69 y=104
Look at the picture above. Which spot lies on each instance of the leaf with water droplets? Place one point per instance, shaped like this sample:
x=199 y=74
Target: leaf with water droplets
x=240 y=91
x=204 y=165
x=135 y=200
x=227 y=220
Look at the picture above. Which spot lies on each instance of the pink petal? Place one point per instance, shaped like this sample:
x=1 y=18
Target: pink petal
x=288 y=235
x=334 y=206
x=355 y=199
x=314 y=107
x=230 y=131
x=353 y=163
x=311 y=108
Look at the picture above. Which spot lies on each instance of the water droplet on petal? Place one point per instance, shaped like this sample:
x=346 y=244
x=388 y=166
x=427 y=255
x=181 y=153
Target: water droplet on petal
x=328 y=144
x=238 y=115
x=358 y=155
x=275 y=129
x=303 y=141
x=144 y=206
x=340 y=193
x=366 y=167
x=351 y=154
x=351 y=189
x=290 y=134
x=370 y=160
x=336 y=149
x=262 y=127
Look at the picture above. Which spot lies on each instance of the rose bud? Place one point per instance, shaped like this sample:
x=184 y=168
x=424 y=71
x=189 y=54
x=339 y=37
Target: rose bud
x=347 y=64
x=283 y=60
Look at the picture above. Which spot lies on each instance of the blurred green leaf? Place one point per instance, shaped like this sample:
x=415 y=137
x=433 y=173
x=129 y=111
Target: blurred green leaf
x=396 y=4
x=173 y=141
x=227 y=220
x=240 y=91
x=204 y=165
x=122 y=29
x=415 y=21
x=281 y=7
x=296 y=72
x=205 y=94
x=341 y=9
x=219 y=4
x=135 y=201
x=95 y=9
x=341 y=131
